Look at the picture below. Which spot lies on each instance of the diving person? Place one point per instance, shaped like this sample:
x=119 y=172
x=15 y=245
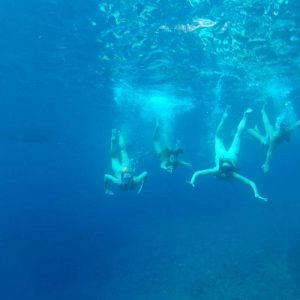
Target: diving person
x=226 y=160
x=273 y=135
x=121 y=166
x=168 y=156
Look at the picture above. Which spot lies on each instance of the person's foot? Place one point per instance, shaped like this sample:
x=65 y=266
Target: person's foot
x=248 y=111
x=255 y=129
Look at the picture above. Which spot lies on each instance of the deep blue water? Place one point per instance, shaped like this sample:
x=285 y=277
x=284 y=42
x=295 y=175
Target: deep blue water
x=60 y=236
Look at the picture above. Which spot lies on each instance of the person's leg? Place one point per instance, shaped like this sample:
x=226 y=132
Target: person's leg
x=254 y=132
x=110 y=179
x=267 y=124
x=219 y=145
x=221 y=124
x=156 y=141
x=139 y=180
x=115 y=163
x=235 y=146
x=219 y=149
x=266 y=164
x=124 y=154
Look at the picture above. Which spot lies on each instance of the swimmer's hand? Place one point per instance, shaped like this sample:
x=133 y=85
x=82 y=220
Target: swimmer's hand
x=191 y=183
x=265 y=168
x=109 y=192
x=261 y=198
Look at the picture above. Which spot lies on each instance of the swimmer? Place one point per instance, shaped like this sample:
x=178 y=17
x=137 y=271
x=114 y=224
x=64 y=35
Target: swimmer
x=121 y=166
x=168 y=156
x=226 y=160
x=273 y=135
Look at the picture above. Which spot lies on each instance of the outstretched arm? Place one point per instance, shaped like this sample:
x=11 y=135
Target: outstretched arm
x=184 y=163
x=295 y=125
x=140 y=180
x=250 y=183
x=212 y=171
x=108 y=178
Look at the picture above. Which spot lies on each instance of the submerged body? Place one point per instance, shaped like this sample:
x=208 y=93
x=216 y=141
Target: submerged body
x=123 y=174
x=274 y=135
x=169 y=160
x=226 y=159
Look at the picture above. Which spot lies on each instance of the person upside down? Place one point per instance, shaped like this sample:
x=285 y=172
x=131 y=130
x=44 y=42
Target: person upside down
x=226 y=160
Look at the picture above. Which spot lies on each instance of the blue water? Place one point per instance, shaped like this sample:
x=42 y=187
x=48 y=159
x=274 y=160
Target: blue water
x=62 y=63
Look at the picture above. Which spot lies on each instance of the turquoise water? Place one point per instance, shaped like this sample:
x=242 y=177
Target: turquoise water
x=71 y=71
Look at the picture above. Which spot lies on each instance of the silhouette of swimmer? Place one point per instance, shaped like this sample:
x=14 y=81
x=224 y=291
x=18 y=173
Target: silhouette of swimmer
x=121 y=166
x=274 y=135
x=226 y=160
x=169 y=160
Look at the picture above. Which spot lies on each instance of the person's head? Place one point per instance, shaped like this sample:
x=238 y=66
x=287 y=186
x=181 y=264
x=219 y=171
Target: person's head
x=226 y=168
x=282 y=132
x=126 y=176
x=173 y=154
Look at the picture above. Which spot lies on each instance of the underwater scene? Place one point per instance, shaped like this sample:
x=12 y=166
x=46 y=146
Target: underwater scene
x=150 y=150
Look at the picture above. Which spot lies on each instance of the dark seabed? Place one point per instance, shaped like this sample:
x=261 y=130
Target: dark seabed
x=70 y=72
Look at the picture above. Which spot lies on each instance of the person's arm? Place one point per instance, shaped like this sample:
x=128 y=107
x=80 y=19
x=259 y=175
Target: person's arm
x=163 y=165
x=108 y=178
x=250 y=183
x=266 y=164
x=294 y=126
x=184 y=163
x=140 y=180
x=169 y=168
x=212 y=171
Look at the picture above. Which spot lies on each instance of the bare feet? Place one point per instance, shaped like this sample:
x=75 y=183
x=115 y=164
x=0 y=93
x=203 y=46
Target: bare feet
x=248 y=111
